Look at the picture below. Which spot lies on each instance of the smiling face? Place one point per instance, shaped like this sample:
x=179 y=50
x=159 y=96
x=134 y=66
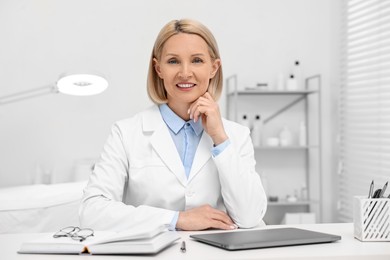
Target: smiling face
x=185 y=66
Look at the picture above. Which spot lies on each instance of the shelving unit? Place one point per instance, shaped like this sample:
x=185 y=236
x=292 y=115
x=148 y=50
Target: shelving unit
x=282 y=168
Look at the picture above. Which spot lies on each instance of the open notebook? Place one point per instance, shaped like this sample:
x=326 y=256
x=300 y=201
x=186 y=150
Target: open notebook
x=139 y=240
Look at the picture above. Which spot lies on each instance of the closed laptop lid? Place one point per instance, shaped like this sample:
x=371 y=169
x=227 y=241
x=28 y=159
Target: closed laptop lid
x=263 y=238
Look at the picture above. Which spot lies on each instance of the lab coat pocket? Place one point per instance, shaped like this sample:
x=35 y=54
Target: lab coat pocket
x=147 y=162
x=147 y=169
x=146 y=177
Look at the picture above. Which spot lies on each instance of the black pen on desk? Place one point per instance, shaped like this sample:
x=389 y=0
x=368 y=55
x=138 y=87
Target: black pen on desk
x=183 y=247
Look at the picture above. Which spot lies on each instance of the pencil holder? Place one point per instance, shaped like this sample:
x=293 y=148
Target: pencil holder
x=371 y=219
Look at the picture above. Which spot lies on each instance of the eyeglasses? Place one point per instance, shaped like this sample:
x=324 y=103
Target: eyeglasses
x=75 y=233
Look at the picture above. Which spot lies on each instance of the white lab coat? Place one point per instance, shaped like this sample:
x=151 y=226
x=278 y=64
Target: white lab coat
x=140 y=177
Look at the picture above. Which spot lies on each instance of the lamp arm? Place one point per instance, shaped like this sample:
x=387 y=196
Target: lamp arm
x=27 y=94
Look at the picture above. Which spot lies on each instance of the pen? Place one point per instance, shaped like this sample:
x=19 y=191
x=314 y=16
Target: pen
x=383 y=190
x=183 y=247
x=371 y=189
x=377 y=194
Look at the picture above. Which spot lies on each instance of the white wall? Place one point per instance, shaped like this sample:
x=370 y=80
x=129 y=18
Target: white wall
x=42 y=39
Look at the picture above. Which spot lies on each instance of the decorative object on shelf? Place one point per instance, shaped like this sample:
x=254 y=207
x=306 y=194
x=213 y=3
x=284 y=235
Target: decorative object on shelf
x=74 y=84
x=259 y=86
x=304 y=196
x=245 y=121
x=257 y=131
x=297 y=72
x=285 y=137
x=273 y=141
x=302 y=134
x=292 y=84
x=291 y=198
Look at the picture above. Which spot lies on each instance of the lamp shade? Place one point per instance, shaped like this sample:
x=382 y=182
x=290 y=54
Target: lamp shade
x=82 y=84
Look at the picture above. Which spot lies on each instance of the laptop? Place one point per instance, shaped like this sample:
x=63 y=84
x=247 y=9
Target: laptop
x=264 y=238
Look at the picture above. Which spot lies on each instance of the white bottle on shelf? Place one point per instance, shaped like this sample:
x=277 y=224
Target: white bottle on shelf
x=285 y=137
x=292 y=84
x=257 y=132
x=304 y=195
x=297 y=72
x=245 y=121
x=302 y=134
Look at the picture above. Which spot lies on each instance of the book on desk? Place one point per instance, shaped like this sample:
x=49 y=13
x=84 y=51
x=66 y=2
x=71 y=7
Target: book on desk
x=140 y=240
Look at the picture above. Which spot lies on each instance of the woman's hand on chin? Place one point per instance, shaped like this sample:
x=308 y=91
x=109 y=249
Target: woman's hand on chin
x=206 y=108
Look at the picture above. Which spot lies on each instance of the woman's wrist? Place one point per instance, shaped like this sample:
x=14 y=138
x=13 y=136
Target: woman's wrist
x=217 y=140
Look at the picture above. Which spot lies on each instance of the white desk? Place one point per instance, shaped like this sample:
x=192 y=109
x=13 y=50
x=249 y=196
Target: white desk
x=346 y=249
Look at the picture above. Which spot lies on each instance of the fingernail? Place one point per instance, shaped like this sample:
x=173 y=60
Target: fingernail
x=233 y=227
x=188 y=111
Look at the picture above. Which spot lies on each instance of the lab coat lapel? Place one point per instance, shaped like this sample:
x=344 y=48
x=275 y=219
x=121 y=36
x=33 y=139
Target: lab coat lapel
x=202 y=155
x=163 y=144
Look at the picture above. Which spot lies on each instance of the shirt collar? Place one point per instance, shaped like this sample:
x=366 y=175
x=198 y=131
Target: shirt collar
x=175 y=123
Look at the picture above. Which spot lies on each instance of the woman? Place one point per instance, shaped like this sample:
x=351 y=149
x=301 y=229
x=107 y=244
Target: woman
x=177 y=163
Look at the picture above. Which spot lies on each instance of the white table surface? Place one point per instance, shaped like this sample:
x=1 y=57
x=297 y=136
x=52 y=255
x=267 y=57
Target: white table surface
x=347 y=248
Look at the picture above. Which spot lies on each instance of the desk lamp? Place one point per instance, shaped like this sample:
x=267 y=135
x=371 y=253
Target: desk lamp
x=74 y=84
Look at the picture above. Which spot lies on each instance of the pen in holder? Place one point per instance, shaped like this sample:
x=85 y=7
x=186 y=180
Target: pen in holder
x=371 y=219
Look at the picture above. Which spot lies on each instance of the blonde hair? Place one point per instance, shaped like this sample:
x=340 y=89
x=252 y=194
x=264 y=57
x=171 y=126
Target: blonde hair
x=155 y=85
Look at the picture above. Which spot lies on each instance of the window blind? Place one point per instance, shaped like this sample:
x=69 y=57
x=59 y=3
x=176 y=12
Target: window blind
x=364 y=105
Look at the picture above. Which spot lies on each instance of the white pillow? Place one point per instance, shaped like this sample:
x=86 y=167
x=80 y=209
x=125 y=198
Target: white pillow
x=40 y=208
